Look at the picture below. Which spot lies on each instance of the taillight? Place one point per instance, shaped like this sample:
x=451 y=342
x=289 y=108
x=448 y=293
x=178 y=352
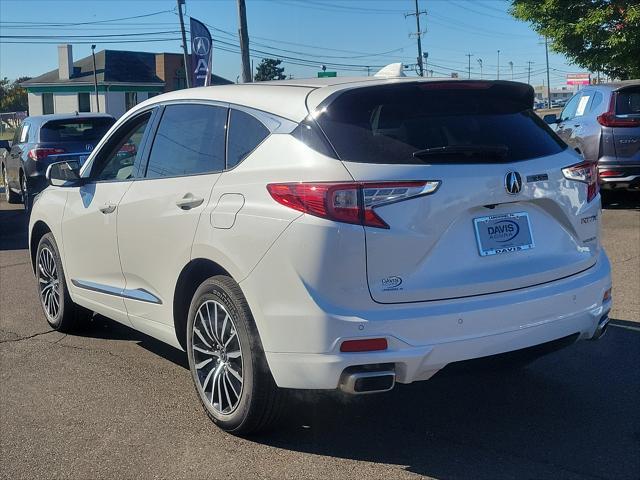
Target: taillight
x=585 y=172
x=42 y=153
x=350 y=202
x=610 y=119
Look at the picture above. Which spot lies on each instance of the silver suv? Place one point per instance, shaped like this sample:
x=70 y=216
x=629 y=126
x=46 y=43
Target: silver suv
x=603 y=123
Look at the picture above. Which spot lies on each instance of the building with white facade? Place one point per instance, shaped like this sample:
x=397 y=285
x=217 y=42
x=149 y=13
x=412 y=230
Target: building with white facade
x=124 y=79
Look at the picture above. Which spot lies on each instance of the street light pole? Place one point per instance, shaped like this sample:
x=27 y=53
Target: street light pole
x=469 y=55
x=185 y=54
x=511 y=66
x=95 y=77
x=498 y=75
x=546 y=52
x=480 y=63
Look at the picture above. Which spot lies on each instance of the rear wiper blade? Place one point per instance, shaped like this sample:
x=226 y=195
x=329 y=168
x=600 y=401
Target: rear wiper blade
x=468 y=150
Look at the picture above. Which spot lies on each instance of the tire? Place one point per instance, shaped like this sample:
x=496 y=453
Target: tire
x=9 y=195
x=52 y=289
x=237 y=391
x=24 y=193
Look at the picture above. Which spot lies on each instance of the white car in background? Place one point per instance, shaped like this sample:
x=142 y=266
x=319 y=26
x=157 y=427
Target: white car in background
x=327 y=234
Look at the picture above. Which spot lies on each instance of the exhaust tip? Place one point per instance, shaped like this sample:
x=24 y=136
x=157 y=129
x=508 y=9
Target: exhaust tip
x=362 y=380
x=601 y=329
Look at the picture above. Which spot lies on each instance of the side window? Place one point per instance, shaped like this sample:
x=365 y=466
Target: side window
x=596 y=102
x=245 y=134
x=189 y=141
x=122 y=151
x=583 y=103
x=570 y=108
x=24 y=134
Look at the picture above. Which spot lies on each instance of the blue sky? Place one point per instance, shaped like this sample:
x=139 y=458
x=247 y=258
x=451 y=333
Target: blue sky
x=352 y=34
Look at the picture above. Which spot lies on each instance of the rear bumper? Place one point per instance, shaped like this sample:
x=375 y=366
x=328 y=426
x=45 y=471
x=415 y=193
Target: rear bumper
x=621 y=176
x=424 y=338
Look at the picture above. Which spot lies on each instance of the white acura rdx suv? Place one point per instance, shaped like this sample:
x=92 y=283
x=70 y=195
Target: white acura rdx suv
x=327 y=234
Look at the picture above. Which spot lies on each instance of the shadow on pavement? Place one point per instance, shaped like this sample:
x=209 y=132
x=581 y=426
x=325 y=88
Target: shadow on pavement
x=572 y=414
x=620 y=200
x=13 y=227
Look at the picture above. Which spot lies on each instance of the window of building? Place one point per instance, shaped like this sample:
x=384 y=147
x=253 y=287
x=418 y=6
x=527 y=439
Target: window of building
x=245 y=134
x=189 y=141
x=180 y=80
x=47 y=103
x=84 y=102
x=130 y=100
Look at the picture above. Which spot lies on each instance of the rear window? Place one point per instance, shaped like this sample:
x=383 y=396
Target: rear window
x=628 y=102
x=422 y=123
x=81 y=130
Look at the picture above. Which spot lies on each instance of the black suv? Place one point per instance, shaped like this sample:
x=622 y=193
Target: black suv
x=42 y=140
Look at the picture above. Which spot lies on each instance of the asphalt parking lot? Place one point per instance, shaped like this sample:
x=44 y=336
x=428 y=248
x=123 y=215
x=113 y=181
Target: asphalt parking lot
x=113 y=403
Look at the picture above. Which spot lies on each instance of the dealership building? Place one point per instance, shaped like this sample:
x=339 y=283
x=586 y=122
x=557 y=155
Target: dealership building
x=124 y=79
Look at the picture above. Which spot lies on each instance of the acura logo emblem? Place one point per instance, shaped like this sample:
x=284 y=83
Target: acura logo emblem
x=88 y=147
x=513 y=183
x=201 y=46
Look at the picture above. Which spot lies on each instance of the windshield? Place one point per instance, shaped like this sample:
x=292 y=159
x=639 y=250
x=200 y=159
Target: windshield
x=422 y=123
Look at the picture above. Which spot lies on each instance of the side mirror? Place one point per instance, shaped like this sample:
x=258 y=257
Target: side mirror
x=551 y=118
x=64 y=174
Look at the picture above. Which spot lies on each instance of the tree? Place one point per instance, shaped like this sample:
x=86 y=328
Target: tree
x=13 y=97
x=269 y=69
x=598 y=35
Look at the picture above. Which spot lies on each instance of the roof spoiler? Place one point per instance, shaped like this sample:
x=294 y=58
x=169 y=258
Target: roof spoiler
x=392 y=70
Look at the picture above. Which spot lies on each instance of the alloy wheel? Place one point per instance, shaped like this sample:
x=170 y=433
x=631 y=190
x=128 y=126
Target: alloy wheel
x=49 y=283
x=25 y=192
x=217 y=357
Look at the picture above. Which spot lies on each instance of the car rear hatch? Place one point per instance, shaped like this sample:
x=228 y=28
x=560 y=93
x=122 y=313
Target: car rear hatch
x=71 y=139
x=504 y=214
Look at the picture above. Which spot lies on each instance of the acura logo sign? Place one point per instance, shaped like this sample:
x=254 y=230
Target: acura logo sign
x=513 y=183
x=201 y=46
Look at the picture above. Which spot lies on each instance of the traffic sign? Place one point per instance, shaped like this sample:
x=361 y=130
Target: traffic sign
x=327 y=74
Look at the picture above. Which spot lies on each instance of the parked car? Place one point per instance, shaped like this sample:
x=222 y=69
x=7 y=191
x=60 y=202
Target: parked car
x=603 y=123
x=327 y=234
x=42 y=140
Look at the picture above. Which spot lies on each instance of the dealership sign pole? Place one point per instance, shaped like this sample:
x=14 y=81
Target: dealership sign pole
x=201 y=54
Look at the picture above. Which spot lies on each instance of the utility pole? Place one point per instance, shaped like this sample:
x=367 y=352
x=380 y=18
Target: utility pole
x=185 y=54
x=546 y=52
x=244 y=41
x=480 y=63
x=498 y=75
x=95 y=77
x=469 y=55
x=511 y=66
x=529 y=72
x=418 y=34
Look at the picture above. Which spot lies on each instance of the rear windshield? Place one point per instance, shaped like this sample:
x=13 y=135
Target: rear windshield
x=628 y=101
x=437 y=123
x=80 y=130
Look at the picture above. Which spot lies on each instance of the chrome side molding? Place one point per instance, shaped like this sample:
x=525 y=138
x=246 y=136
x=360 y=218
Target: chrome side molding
x=139 y=294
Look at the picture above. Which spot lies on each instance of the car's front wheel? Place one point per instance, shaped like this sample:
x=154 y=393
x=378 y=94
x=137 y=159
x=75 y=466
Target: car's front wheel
x=59 y=310
x=227 y=361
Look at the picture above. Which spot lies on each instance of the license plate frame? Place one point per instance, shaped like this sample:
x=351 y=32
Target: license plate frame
x=502 y=238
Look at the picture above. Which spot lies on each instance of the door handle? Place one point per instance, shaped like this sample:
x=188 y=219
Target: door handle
x=189 y=201
x=108 y=208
